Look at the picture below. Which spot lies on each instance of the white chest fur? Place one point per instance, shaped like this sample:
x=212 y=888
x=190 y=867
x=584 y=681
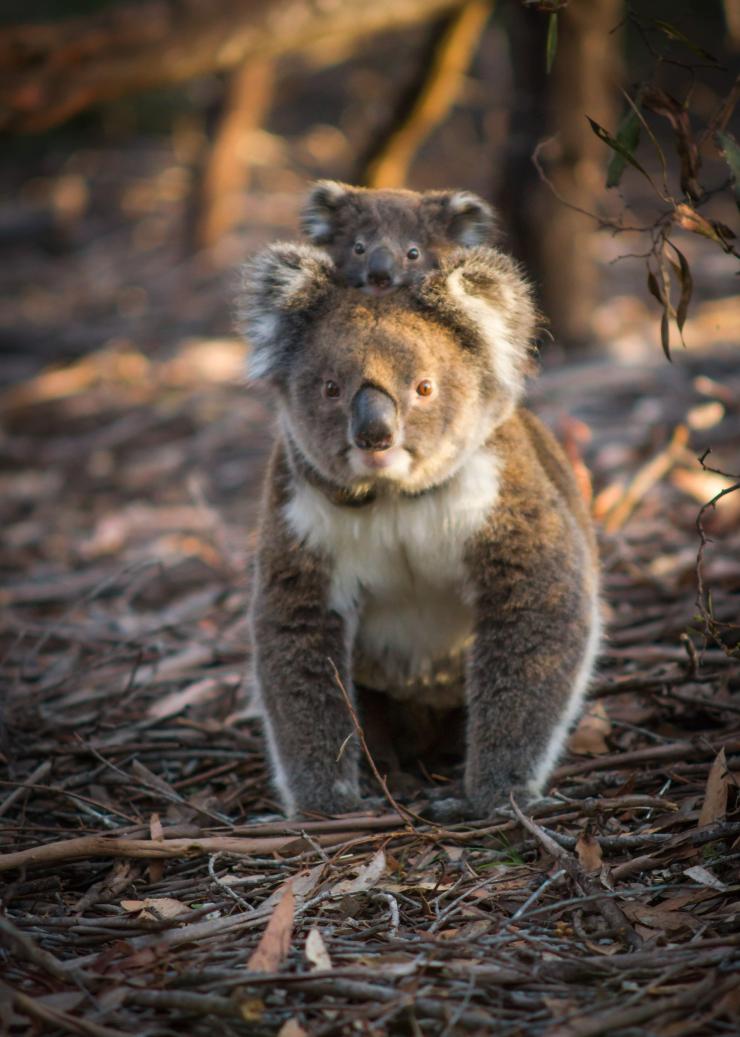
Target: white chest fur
x=397 y=567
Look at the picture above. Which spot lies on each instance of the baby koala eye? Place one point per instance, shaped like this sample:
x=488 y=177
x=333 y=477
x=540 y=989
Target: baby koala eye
x=331 y=390
x=413 y=253
x=359 y=248
x=424 y=388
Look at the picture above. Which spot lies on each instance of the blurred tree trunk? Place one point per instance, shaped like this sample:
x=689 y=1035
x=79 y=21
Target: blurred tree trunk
x=553 y=239
x=49 y=71
x=439 y=86
x=731 y=10
x=225 y=179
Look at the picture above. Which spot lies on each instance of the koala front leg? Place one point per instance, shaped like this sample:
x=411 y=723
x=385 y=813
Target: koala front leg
x=535 y=641
x=307 y=724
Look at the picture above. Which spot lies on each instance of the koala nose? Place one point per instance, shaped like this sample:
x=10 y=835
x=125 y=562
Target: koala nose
x=373 y=421
x=380 y=268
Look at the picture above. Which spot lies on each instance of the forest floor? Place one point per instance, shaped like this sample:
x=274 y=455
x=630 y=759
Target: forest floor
x=149 y=883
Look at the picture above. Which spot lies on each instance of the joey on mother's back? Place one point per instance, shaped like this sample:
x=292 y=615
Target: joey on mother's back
x=420 y=531
x=381 y=240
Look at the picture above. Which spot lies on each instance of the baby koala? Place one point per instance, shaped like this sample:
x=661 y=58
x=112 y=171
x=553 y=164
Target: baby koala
x=422 y=536
x=381 y=240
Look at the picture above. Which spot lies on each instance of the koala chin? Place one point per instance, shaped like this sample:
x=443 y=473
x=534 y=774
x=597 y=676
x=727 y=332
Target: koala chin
x=420 y=531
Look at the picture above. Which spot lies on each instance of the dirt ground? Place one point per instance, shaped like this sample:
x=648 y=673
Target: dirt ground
x=149 y=884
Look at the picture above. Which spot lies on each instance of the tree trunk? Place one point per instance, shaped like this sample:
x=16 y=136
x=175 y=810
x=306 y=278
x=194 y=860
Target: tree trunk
x=437 y=92
x=555 y=241
x=226 y=176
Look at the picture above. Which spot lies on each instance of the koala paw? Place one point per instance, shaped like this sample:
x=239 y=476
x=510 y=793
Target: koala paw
x=450 y=810
x=341 y=797
x=496 y=802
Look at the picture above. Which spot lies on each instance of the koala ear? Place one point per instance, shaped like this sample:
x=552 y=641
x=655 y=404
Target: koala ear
x=482 y=291
x=278 y=285
x=471 y=221
x=319 y=214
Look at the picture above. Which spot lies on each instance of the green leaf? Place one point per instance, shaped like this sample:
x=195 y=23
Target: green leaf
x=628 y=136
x=617 y=146
x=552 y=41
x=730 y=151
x=675 y=34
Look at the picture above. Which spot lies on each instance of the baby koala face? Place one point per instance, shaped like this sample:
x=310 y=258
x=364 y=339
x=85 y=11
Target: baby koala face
x=380 y=399
x=382 y=240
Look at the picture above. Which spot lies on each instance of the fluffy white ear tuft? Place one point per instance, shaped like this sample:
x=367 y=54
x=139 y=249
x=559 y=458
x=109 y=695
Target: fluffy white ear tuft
x=487 y=288
x=318 y=217
x=472 y=220
x=278 y=282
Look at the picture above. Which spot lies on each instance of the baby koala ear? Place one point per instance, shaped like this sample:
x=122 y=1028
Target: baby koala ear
x=278 y=285
x=470 y=220
x=320 y=210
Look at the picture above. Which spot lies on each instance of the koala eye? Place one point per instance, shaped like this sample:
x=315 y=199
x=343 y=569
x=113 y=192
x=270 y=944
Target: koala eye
x=424 y=388
x=413 y=253
x=359 y=248
x=331 y=390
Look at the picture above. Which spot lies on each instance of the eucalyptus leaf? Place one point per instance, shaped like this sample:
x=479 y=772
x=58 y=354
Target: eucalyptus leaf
x=617 y=146
x=675 y=34
x=730 y=151
x=683 y=273
x=628 y=136
x=552 y=41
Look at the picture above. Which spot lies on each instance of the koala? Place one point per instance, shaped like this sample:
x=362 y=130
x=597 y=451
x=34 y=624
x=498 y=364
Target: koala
x=420 y=531
x=381 y=240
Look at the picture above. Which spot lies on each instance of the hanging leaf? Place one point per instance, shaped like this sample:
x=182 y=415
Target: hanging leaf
x=690 y=219
x=658 y=292
x=730 y=151
x=628 y=136
x=653 y=287
x=552 y=41
x=617 y=146
x=675 y=34
x=665 y=335
x=660 y=102
x=685 y=280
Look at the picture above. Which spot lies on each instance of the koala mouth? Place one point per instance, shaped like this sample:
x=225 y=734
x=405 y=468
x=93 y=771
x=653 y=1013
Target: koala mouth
x=379 y=290
x=393 y=462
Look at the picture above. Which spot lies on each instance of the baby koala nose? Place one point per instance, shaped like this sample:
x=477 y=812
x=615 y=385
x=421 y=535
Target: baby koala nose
x=380 y=268
x=373 y=421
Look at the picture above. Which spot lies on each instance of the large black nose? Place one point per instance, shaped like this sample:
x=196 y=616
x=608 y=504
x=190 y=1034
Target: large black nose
x=373 y=420
x=380 y=268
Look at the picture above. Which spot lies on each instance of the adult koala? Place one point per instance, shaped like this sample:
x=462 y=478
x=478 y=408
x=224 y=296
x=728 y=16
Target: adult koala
x=420 y=531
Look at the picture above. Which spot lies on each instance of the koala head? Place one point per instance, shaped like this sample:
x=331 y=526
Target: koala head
x=382 y=240
x=388 y=394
